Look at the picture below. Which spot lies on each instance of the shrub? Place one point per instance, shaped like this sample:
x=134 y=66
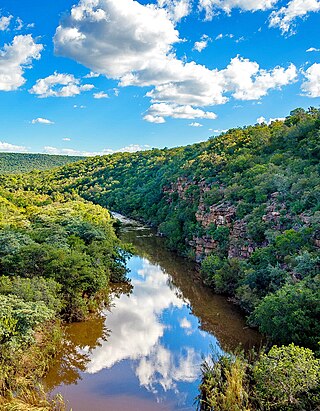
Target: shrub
x=286 y=378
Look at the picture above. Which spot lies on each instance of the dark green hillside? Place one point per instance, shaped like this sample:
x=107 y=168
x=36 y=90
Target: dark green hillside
x=245 y=204
x=12 y=163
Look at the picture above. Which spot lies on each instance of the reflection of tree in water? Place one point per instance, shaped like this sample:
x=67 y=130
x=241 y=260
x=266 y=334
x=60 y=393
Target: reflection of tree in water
x=80 y=339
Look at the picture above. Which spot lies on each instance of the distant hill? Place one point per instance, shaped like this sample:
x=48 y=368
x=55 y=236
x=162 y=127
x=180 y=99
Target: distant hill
x=13 y=163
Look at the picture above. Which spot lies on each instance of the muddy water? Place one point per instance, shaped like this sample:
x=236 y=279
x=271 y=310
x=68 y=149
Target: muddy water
x=145 y=351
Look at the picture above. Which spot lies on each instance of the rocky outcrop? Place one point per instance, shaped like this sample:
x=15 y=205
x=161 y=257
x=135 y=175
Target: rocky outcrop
x=203 y=246
x=240 y=246
x=221 y=214
x=179 y=187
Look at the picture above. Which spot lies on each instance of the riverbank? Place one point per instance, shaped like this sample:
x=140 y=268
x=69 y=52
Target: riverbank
x=57 y=257
x=145 y=351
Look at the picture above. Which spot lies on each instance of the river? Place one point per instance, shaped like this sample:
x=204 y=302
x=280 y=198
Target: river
x=144 y=351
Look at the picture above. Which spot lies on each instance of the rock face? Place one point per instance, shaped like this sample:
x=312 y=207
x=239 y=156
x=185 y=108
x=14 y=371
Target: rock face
x=219 y=215
x=223 y=214
x=179 y=187
x=241 y=245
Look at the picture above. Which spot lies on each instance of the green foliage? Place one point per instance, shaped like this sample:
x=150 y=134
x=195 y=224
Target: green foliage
x=291 y=314
x=12 y=163
x=224 y=385
x=33 y=290
x=67 y=253
x=19 y=318
x=57 y=257
x=224 y=275
x=287 y=378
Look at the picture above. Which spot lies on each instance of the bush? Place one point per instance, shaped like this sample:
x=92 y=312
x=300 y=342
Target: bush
x=224 y=385
x=18 y=319
x=287 y=378
x=291 y=314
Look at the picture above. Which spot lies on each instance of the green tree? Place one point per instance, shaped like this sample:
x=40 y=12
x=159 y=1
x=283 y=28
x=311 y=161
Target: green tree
x=287 y=378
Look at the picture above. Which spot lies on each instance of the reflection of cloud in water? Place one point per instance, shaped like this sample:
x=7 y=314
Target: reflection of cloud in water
x=134 y=321
x=160 y=367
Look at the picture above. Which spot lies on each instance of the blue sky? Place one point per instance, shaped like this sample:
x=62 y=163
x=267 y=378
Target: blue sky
x=98 y=76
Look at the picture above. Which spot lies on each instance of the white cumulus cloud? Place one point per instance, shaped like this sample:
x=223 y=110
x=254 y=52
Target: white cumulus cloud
x=15 y=58
x=132 y=148
x=160 y=111
x=59 y=85
x=312 y=49
x=262 y=120
x=285 y=17
x=177 y=9
x=195 y=124
x=100 y=94
x=212 y=7
x=41 y=120
x=248 y=82
x=12 y=148
x=126 y=37
x=202 y=44
x=5 y=22
x=133 y=43
x=92 y=74
x=311 y=86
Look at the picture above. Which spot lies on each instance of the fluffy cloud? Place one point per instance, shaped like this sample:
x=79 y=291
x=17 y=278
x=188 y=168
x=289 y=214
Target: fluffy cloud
x=202 y=44
x=311 y=87
x=115 y=37
x=262 y=120
x=185 y=323
x=14 y=58
x=195 y=124
x=133 y=43
x=157 y=113
x=5 y=22
x=177 y=9
x=92 y=74
x=218 y=131
x=132 y=148
x=59 y=85
x=11 y=148
x=211 y=7
x=247 y=81
x=285 y=17
x=312 y=49
x=41 y=120
x=100 y=94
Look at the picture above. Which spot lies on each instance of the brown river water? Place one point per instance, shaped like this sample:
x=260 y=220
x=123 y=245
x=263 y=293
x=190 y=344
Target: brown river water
x=145 y=350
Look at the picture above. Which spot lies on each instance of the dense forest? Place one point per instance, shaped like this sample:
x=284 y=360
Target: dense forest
x=244 y=205
x=24 y=162
x=57 y=257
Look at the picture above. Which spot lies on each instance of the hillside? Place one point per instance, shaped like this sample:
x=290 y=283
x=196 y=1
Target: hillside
x=12 y=163
x=245 y=205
